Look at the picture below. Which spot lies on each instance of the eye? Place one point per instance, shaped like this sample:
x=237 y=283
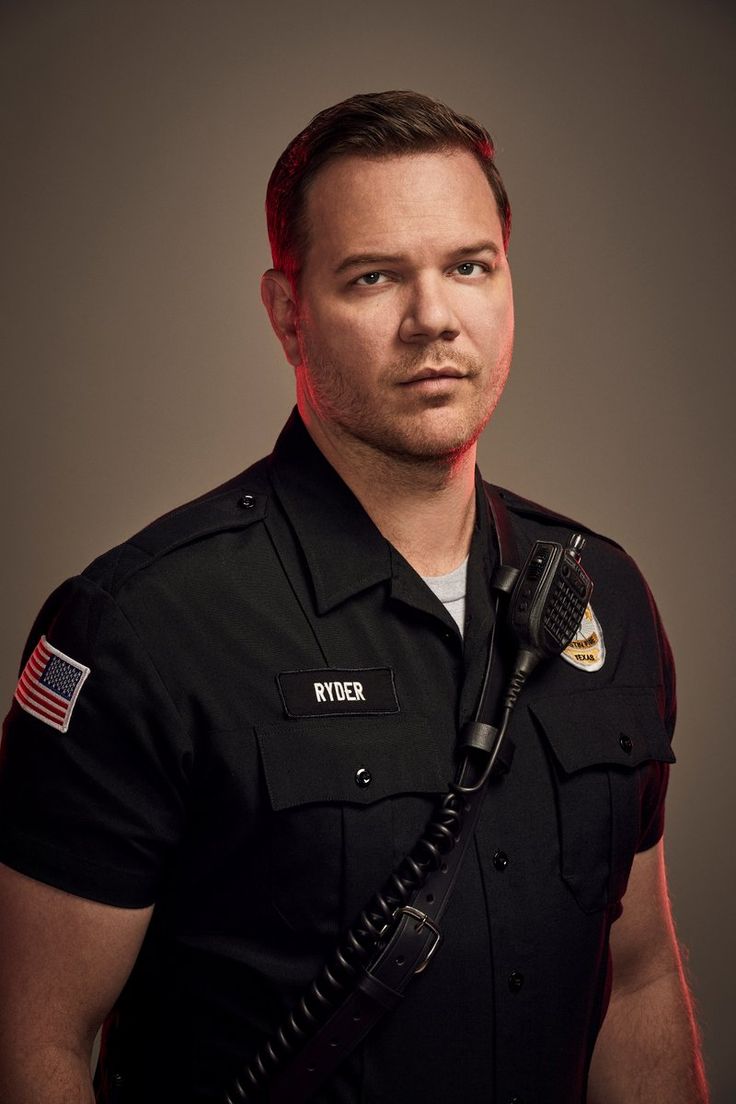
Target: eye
x=369 y=279
x=465 y=268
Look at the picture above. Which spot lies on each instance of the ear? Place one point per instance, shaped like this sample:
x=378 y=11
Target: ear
x=278 y=299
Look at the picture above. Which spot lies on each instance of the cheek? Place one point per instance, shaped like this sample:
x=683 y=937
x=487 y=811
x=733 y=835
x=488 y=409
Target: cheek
x=352 y=337
x=494 y=325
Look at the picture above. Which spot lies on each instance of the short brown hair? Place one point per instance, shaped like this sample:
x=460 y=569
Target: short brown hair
x=373 y=124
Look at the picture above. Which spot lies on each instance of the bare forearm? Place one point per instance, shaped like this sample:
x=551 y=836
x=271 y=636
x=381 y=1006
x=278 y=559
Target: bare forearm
x=53 y=1075
x=648 y=1050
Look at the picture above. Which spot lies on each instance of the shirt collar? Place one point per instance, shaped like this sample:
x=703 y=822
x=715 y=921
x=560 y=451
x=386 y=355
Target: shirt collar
x=344 y=551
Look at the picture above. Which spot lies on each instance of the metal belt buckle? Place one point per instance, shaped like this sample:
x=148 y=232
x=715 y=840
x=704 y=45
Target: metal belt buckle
x=423 y=921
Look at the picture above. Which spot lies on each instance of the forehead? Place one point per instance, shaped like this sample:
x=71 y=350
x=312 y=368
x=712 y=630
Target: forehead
x=412 y=203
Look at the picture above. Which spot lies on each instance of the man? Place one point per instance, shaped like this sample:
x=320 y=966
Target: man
x=229 y=730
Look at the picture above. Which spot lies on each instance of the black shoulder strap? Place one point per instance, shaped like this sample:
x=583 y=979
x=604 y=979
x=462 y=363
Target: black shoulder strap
x=509 y=565
x=508 y=552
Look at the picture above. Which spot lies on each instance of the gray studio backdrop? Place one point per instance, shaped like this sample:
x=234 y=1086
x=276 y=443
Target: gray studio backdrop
x=139 y=370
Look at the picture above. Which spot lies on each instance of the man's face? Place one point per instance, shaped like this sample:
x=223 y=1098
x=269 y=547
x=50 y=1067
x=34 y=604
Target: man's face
x=405 y=313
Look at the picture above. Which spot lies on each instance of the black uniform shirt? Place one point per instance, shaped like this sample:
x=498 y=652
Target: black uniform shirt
x=269 y=718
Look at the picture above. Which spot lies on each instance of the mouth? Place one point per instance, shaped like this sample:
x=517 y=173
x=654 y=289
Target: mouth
x=448 y=371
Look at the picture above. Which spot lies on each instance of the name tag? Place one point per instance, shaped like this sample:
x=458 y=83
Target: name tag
x=323 y=693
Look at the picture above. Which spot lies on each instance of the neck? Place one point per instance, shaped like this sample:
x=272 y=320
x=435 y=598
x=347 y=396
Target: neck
x=424 y=507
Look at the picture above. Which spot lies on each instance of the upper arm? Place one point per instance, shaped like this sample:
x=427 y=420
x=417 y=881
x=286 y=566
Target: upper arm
x=64 y=960
x=643 y=943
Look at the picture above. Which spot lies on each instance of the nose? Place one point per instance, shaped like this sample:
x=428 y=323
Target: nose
x=428 y=315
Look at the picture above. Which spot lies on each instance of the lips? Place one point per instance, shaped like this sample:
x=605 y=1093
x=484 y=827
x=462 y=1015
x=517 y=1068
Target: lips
x=446 y=372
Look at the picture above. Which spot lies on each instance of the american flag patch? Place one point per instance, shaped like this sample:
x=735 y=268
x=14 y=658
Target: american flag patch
x=49 y=685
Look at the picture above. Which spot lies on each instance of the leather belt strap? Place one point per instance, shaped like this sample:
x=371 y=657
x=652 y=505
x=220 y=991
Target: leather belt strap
x=407 y=949
x=508 y=552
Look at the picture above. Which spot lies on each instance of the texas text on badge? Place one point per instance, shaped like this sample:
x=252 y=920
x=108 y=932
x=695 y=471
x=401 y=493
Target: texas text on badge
x=587 y=651
x=49 y=685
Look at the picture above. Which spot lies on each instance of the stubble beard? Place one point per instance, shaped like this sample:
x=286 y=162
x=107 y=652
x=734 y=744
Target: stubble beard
x=402 y=437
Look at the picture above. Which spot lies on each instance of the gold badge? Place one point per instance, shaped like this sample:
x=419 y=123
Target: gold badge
x=587 y=649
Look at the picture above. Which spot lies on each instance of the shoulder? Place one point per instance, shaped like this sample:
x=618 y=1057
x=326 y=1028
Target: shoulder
x=181 y=550
x=192 y=529
x=606 y=560
x=532 y=514
x=622 y=600
x=532 y=521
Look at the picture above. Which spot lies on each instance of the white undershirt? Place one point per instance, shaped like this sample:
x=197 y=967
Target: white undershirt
x=450 y=589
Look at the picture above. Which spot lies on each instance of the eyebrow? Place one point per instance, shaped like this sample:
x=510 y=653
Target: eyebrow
x=366 y=260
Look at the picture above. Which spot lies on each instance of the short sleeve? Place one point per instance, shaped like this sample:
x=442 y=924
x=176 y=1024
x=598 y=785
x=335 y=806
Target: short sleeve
x=97 y=809
x=655 y=780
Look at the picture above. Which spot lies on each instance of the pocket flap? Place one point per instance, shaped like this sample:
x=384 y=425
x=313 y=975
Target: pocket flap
x=319 y=760
x=620 y=727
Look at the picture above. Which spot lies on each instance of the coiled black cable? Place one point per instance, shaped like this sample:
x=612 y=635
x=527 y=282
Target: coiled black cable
x=354 y=950
x=444 y=827
x=358 y=944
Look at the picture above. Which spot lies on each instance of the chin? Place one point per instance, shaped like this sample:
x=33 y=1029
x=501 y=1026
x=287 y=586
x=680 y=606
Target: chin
x=449 y=434
x=445 y=443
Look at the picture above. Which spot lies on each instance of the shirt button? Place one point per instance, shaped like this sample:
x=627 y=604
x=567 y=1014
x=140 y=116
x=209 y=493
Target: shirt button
x=246 y=501
x=500 y=860
x=363 y=777
x=625 y=742
x=516 y=980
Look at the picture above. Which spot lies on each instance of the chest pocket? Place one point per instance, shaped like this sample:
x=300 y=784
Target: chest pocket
x=347 y=798
x=604 y=745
